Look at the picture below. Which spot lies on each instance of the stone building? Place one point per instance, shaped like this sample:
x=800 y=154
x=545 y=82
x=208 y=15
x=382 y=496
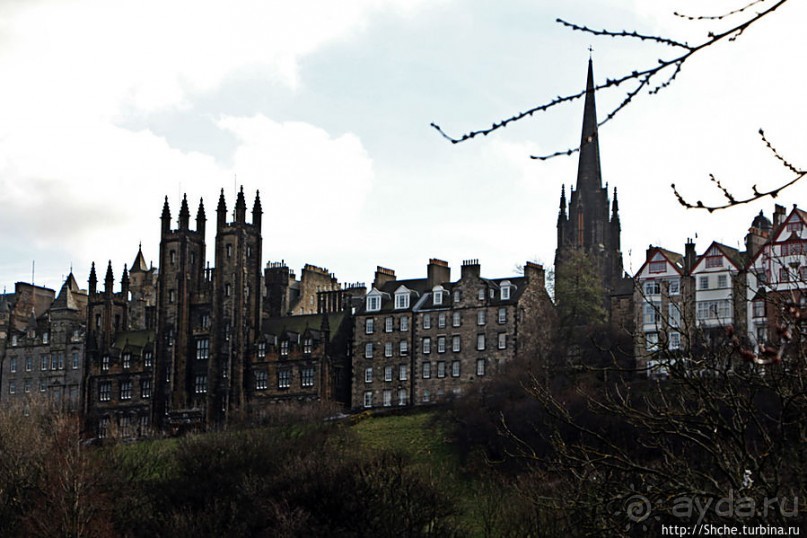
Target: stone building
x=42 y=345
x=186 y=346
x=424 y=340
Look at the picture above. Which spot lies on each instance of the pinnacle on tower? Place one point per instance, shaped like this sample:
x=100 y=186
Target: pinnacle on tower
x=221 y=211
x=139 y=263
x=240 y=206
x=184 y=214
x=166 y=217
x=93 y=280
x=257 y=210
x=109 y=279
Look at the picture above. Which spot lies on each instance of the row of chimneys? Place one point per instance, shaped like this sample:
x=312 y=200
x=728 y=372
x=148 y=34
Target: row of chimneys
x=438 y=272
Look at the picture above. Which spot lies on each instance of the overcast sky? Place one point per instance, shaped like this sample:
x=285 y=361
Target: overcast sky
x=107 y=107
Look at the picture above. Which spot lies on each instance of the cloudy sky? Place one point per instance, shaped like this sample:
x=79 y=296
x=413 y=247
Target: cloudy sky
x=107 y=106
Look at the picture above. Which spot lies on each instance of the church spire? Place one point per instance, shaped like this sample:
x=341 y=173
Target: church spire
x=589 y=176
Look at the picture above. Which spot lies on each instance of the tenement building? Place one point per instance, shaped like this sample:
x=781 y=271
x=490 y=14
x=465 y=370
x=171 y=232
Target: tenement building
x=421 y=341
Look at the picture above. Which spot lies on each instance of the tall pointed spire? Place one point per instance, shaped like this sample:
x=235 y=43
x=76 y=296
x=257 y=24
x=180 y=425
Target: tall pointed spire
x=589 y=175
x=201 y=218
x=109 y=279
x=562 y=201
x=166 y=217
x=615 y=207
x=93 y=280
x=257 y=210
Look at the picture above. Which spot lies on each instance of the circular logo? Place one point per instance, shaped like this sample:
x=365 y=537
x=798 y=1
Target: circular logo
x=638 y=508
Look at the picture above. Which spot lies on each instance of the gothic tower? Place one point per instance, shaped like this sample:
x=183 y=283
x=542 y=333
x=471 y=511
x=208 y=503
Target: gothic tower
x=236 y=308
x=182 y=285
x=590 y=222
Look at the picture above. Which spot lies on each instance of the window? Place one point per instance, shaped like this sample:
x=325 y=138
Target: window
x=261 y=380
x=202 y=349
x=441 y=320
x=388 y=349
x=368 y=350
x=368 y=375
x=714 y=261
x=502 y=315
x=261 y=350
x=480 y=367
x=388 y=373
x=308 y=345
x=438 y=297
x=457 y=296
x=502 y=340
x=455 y=368
x=387 y=397
x=481 y=294
x=441 y=369
x=104 y=363
x=29 y=363
x=404 y=323
x=125 y=390
x=652 y=287
x=762 y=334
x=674 y=314
x=228 y=290
x=480 y=342
x=505 y=291
x=13 y=365
x=784 y=276
x=127 y=361
x=388 y=324
x=713 y=309
x=229 y=249
x=427 y=345
x=403 y=372
x=703 y=283
x=54 y=361
x=43 y=362
x=675 y=341
x=427 y=370
x=75 y=360
x=148 y=359
x=441 y=344
x=456 y=319
x=284 y=378
x=658 y=266
x=105 y=391
x=402 y=396
x=14 y=337
x=43 y=385
x=200 y=385
x=145 y=388
x=426 y=396
x=674 y=287
x=284 y=348
x=205 y=321
x=12 y=387
x=758 y=308
x=481 y=318
x=45 y=337
x=404 y=346
x=651 y=341
x=401 y=300
x=307 y=377
x=373 y=303
x=427 y=321
x=794 y=226
x=722 y=281
x=650 y=314
x=368 y=398
x=172 y=296
x=369 y=326
x=455 y=343
x=172 y=256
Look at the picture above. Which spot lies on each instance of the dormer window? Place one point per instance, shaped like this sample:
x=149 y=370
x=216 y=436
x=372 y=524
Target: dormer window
x=308 y=345
x=506 y=286
x=284 y=348
x=373 y=303
x=401 y=298
x=437 y=293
